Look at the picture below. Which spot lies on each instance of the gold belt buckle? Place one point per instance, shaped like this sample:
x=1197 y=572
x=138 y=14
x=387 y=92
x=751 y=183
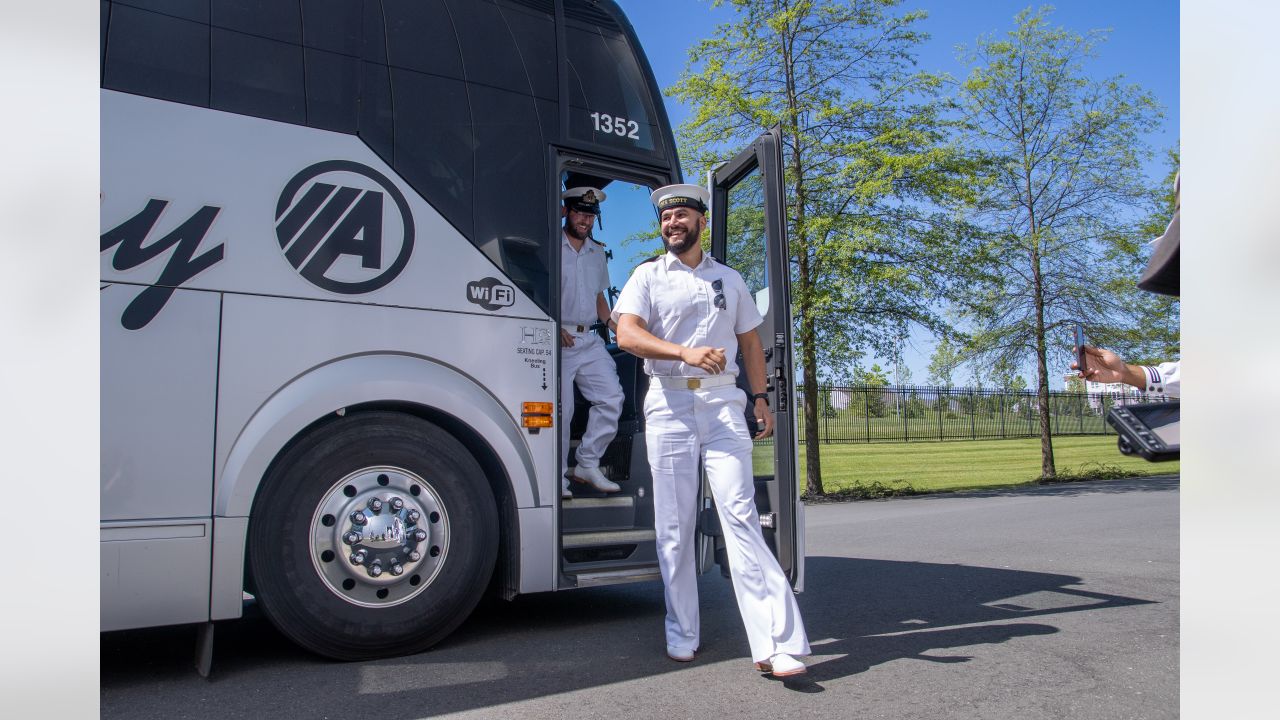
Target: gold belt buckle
x=694 y=383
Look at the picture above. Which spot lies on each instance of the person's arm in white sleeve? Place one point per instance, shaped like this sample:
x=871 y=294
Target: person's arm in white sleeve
x=1164 y=378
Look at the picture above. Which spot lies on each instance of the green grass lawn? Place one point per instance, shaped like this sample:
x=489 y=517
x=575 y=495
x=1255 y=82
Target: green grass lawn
x=967 y=464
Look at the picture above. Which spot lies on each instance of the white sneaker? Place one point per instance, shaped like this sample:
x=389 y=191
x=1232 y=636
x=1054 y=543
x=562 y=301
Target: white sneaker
x=782 y=665
x=566 y=493
x=680 y=654
x=594 y=478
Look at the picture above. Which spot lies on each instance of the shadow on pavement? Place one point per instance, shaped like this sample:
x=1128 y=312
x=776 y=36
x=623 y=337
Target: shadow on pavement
x=860 y=613
x=1153 y=483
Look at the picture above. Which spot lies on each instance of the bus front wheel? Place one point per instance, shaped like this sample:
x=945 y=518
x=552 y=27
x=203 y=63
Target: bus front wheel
x=374 y=535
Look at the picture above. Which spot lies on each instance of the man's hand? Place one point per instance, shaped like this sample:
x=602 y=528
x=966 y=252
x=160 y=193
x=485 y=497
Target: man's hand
x=566 y=340
x=764 y=419
x=1104 y=366
x=708 y=358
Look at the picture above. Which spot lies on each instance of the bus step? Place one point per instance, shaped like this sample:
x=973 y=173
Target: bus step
x=602 y=549
x=589 y=514
x=609 y=537
x=615 y=577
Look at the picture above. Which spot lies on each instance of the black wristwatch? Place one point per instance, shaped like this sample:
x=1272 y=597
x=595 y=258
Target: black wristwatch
x=761 y=396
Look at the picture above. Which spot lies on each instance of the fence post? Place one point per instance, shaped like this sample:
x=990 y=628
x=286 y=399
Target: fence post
x=822 y=408
x=902 y=410
x=973 y=433
x=1002 y=414
x=937 y=405
x=1033 y=416
x=866 y=414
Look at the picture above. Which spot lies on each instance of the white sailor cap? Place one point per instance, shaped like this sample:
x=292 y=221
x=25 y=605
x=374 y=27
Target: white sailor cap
x=583 y=199
x=682 y=195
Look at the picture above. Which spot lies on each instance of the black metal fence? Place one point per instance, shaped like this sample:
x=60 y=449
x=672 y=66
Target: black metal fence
x=911 y=413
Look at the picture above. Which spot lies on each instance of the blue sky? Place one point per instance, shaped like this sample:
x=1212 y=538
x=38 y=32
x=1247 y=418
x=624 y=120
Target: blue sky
x=1142 y=46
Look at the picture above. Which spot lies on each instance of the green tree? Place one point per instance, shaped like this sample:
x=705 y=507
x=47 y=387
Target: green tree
x=1063 y=184
x=942 y=364
x=1006 y=376
x=868 y=171
x=876 y=376
x=1152 y=336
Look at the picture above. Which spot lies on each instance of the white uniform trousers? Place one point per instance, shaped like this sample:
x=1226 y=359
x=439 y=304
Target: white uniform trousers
x=588 y=364
x=681 y=425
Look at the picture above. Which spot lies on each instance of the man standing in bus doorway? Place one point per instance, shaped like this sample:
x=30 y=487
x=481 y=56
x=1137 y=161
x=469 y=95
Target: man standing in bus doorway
x=687 y=315
x=583 y=359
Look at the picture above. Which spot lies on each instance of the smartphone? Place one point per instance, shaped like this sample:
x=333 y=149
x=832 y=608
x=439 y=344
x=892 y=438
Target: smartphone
x=1080 y=342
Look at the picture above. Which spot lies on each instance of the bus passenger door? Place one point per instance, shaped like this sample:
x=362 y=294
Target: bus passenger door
x=749 y=234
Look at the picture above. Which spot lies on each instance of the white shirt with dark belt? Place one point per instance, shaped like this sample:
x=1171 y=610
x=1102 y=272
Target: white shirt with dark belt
x=685 y=425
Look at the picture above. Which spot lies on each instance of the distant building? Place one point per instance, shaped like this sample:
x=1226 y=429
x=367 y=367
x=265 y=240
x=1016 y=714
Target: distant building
x=1120 y=393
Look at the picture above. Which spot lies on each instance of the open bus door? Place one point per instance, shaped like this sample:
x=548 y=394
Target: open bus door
x=749 y=234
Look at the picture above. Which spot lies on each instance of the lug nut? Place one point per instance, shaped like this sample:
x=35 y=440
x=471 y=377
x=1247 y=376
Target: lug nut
x=415 y=556
x=413 y=516
x=357 y=558
x=375 y=570
x=397 y=569
x=352 y=537
x=358 y=517
x=375 y=504
x=420 y=535
x=397 y=504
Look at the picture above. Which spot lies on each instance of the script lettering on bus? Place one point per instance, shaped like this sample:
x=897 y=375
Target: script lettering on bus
x=612 y=124
x=183 y=262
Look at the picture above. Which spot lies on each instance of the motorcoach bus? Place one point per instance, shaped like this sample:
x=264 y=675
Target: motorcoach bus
x=329 y=303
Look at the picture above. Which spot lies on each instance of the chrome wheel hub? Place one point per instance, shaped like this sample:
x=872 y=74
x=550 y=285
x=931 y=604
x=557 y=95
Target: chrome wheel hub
x=379 y=536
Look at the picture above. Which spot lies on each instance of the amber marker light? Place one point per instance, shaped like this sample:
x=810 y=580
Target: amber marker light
x=537 y=415
x=539 y=408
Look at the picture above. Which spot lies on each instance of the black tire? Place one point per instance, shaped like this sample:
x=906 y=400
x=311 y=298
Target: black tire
x=308 y=586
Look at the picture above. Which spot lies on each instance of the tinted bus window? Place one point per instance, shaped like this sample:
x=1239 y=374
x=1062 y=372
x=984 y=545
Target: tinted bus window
x=158 y=56
x=609 y=99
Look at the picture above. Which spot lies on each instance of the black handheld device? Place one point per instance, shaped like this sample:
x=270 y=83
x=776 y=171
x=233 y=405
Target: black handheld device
x=1152 y=430
x=1080 y=341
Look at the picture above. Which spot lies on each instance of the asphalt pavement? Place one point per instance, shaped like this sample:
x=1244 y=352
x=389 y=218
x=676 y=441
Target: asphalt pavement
x=1051 y=602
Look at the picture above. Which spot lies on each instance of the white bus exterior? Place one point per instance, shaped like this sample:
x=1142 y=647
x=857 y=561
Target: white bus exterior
x=323 y=351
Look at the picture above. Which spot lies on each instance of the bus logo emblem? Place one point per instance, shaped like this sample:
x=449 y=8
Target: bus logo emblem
x=491 y=294
x=344 y=227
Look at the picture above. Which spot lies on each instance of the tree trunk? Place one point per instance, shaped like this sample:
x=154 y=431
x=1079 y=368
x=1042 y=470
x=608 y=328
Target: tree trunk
x=809 y=360
x=1047 y=469
x=803 y=299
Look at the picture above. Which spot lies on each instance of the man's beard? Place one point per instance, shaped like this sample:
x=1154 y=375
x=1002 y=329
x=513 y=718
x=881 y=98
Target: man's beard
x=573 y=232
x=691 y=238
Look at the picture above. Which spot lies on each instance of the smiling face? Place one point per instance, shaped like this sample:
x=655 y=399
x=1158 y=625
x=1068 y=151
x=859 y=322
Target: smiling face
x=681 y=228
x=577 y=224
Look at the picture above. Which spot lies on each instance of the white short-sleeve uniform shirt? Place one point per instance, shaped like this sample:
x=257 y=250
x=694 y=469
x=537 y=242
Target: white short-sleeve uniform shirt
x=583 y=274
x=678 y=304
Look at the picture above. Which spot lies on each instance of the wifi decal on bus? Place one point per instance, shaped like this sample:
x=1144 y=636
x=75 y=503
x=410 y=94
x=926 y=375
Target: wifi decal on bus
x=337 y=229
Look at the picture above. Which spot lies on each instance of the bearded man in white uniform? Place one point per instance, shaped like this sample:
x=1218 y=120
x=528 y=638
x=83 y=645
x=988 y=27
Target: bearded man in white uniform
x=687 y=315
x=584 y=361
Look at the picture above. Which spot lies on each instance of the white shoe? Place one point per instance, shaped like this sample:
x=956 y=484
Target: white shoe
x=594 y=478
x=566 y=493
x=680 y=655
x=782 y=665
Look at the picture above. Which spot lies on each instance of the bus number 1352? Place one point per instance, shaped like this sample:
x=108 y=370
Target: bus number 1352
x=621 y=127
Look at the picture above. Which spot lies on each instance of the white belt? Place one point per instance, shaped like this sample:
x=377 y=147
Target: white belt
x=693 y=383
x=575 y=328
